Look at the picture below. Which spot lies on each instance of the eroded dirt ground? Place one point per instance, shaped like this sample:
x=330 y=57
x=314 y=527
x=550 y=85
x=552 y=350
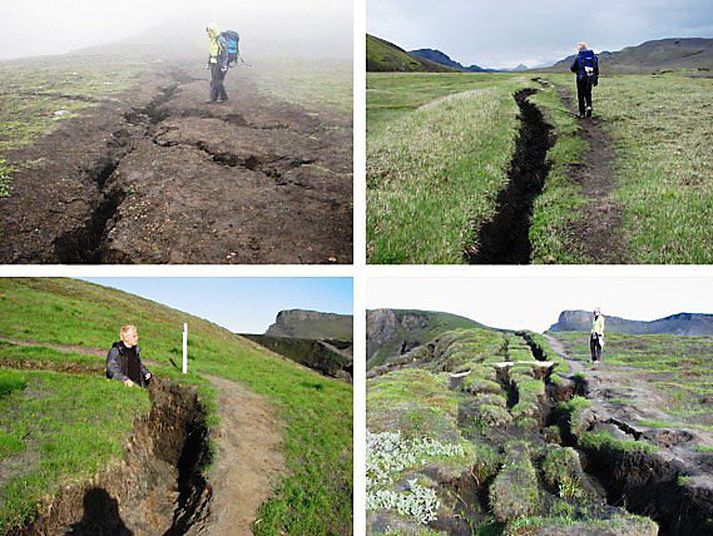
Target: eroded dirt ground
x=160 y=176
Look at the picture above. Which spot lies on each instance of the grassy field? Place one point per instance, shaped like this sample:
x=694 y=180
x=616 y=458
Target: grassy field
x=313 y=498
x=438 y=150
x=660 y=129
x=314 y=84
x=37 y=94
x=433 y=171
x=58 y=428
x=680 y=367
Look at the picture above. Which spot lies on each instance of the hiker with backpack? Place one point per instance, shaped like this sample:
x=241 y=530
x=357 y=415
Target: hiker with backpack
x=222 y=52
x=123 y=362
x=596 y=338
x=586 y=67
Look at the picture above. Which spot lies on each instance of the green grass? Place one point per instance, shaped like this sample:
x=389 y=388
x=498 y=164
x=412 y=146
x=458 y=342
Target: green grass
x=56 y=429
x=312 y=84
x=560 y=201
x=433 y=172
x=315 y=496
x=659 y=129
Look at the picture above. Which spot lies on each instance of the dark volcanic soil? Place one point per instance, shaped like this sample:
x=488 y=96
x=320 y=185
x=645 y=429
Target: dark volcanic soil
x=162 y=177
x=596 y=231
x=505 y=239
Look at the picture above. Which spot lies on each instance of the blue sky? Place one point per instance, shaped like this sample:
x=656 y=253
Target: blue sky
x=507 y=32
x=243 y=305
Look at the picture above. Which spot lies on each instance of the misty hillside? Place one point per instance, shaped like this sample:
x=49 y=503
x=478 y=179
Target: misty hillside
x=302 y=324
x=437 y=56
x=662 y=54
x=383 y=56
x=392 y=332
x=687 y=324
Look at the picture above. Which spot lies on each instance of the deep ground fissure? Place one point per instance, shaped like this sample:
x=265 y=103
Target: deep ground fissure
x=159 y=488
x=505 y=239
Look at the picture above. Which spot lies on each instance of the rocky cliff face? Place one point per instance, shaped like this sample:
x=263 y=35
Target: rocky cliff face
x=304 y=324
x=685 y=324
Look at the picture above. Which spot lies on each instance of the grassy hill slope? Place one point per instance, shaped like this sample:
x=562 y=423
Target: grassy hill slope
x=313 y=498
x=382 y=56
x=390 y=330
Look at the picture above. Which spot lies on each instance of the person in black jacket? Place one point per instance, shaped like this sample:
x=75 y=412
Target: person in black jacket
x=123 y=362
x=586 y=67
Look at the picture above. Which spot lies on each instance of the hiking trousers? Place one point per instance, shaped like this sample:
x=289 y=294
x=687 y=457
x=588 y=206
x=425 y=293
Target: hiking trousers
x=584 y=94
x=217 y=90
x=595 y=347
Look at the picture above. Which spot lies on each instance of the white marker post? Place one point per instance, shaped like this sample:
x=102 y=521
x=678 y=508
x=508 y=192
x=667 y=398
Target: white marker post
x=185 y=348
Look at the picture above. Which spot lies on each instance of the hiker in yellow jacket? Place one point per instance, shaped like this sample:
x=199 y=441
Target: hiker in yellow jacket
x=596 y=339
x=217 y=63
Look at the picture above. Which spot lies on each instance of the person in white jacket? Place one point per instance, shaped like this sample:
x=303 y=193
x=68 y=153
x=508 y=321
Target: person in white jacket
x=596 y=338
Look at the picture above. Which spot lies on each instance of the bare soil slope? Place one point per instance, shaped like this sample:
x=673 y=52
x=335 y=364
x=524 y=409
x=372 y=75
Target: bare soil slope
x=159 y=176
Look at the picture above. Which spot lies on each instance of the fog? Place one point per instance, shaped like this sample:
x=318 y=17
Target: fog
x=278 y=28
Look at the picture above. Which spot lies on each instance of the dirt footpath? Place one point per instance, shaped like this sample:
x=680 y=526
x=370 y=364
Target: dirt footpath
x=160 y=176
x=597 y=230
x=249 y=459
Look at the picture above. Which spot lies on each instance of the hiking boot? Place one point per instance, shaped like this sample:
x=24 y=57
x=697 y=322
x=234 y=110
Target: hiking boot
x=210 y=102
x=589 y=111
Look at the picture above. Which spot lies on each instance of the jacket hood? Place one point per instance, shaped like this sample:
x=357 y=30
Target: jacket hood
x=212 y=30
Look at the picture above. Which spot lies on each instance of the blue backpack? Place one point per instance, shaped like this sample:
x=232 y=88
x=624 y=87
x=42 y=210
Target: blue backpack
x=587 y=63
x=232 y=40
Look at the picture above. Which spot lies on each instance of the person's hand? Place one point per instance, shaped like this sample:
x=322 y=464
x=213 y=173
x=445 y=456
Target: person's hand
x=207 y=66
x=128 y=383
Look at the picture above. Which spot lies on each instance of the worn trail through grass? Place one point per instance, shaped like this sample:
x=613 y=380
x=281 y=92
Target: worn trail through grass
x=598 y=227
x=248 y=442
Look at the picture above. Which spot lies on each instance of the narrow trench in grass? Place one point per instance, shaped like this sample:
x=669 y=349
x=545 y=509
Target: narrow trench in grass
x=505 y=238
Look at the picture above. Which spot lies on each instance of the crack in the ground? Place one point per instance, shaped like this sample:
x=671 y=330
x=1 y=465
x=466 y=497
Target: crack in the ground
x=647 y=484
x=160 y=484
x=505 y=238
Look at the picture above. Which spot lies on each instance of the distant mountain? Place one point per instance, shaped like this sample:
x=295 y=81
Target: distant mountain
x=442 y=58
x=688 y=324
x=391 y=332
x=653 y=56
x=520 y=68
x=301 y=324
x=383 y=56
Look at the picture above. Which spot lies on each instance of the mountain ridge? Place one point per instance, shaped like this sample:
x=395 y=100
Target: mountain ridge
x=681 y=324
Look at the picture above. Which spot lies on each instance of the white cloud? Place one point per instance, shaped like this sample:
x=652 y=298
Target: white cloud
x=507 y=32
x=535 y=302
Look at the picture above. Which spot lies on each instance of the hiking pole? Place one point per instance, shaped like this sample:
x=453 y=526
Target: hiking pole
x=243 y=62
x=185 y=348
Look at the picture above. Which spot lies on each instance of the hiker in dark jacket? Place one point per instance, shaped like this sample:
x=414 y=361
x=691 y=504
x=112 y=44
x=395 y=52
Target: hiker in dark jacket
x=217 y=63
x=586 y=67
x=123 y=361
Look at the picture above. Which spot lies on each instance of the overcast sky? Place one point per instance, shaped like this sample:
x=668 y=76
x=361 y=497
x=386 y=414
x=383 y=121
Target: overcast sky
x=287 y=28
x=535 y=302
x=242 y=305
x=505 y=33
